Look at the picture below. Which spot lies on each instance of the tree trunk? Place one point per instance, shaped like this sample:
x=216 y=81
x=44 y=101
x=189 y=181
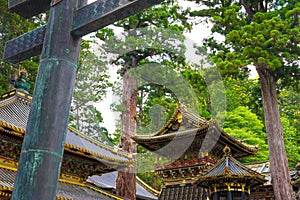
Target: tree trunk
x=126 y=181
x=278 y=159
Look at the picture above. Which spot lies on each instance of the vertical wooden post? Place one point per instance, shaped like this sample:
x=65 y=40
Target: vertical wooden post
x=40 y=161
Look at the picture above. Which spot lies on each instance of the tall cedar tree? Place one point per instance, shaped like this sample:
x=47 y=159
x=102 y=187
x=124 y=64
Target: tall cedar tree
x=265 y=34
x=167 y=15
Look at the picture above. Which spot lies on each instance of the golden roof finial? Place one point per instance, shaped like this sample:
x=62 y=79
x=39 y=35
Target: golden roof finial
x=227 y=150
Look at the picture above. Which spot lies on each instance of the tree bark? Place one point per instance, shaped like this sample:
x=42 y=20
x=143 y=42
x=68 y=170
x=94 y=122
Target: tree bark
x=248 y=8
x=281 y=180
x=126 y=181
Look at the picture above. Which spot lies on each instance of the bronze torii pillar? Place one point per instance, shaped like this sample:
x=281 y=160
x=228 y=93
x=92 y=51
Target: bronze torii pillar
x=42 y=150
x=43 y=144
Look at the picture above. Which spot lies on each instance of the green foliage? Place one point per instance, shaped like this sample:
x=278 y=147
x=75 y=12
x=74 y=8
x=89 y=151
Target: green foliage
x=245 y=125
x=290 y=141
x=264 y=34
x=257 y=37
x=261 y=38
x=240 y=91
x=167 y=14
x=151 y=179
x=244 y=92
x=91 y=84
x=289 y=101
x=198 y=84
x=147 y=33
x=155 y=105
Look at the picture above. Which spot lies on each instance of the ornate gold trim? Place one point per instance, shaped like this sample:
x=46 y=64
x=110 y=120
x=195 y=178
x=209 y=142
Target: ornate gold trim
x=179 y=115
x=87 y=153
x=111 y=149
x=64 y=178
x=103 y=192
x=3 y=192
x=62 y=198
x=9 y=164
x=17 y=131
x=147 y=187
x=71 y=179
x=20 y=132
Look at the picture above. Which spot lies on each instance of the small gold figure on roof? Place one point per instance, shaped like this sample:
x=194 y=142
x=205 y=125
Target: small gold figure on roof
x=21 y=81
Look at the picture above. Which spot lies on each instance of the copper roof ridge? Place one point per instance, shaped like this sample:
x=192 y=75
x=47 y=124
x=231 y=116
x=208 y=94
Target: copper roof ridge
x=228 y=157
x=19 y=95
x=164 y=128
x=197 y=116
x=63 y=180
x=109 y=148
x=181 y=108
x=173 y=135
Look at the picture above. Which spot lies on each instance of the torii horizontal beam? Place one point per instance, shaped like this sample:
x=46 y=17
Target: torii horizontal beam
x=25 y=46
x=100 y=14
x=86 y=20
x=23 y=6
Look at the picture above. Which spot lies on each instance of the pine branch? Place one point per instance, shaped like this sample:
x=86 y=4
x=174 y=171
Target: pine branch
x=248 y=8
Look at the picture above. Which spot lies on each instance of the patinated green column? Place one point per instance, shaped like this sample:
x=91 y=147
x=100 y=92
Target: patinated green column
x=39 y=166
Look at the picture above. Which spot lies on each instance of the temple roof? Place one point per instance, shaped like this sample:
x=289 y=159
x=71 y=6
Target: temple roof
x=65 y=190
x=108 y=181
x=14 y=113
x=187 y=126
x=183 y=192
x=261 y=167
x=229 y=168
x=183 y=118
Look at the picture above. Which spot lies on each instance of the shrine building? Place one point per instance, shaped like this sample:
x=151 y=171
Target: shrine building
x=84 y=161
x=203 y=161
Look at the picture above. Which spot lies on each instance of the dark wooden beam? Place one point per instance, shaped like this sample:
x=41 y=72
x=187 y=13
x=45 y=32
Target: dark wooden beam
x=28 y=8
x=102 y=13
x=25 y=46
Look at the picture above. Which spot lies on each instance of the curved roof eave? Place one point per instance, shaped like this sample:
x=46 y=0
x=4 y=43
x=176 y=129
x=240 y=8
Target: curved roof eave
x=224 y=138
x=15 y=108
x=235 y=170
x=197 y=124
